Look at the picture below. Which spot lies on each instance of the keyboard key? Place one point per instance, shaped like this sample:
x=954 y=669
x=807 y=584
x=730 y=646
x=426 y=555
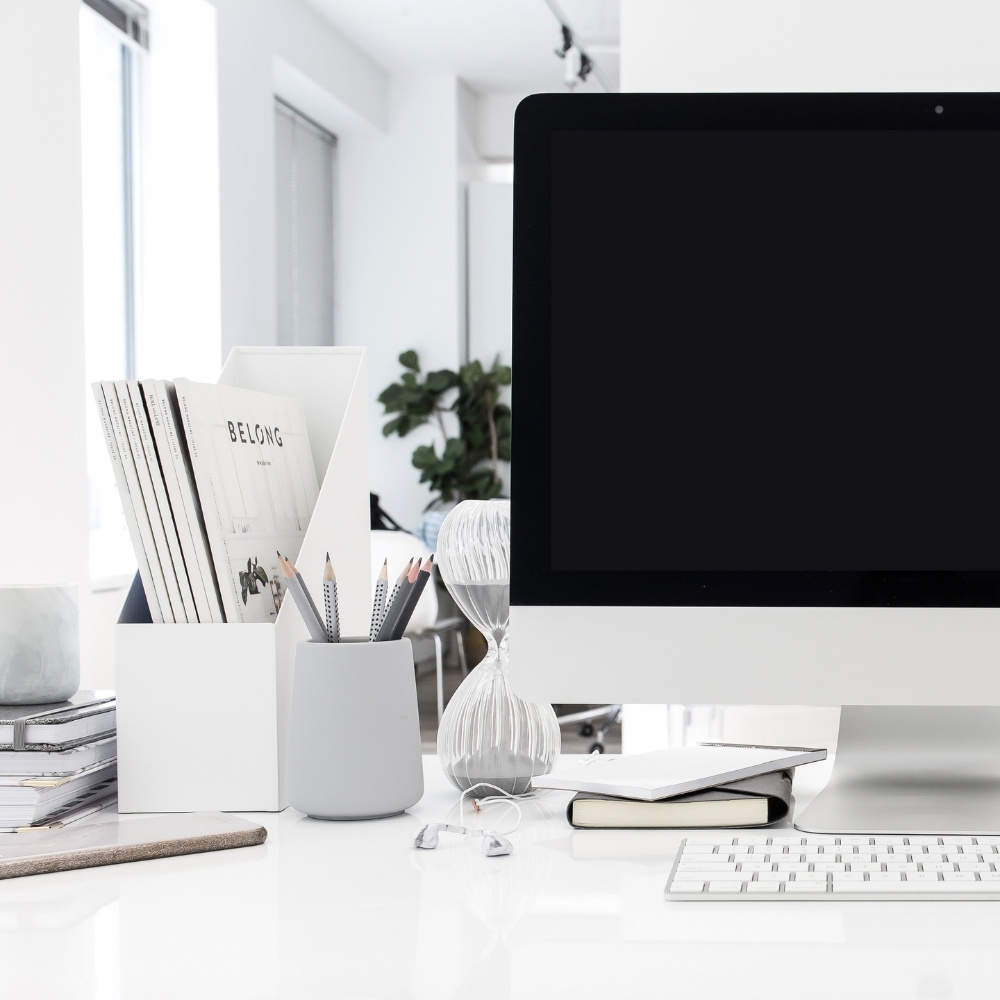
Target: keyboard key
x=700 y=875
x=787 y=841
x=830 y=866
x=738 y=849
x=763 y=887
x=958 y=876
x=810 y=876
x=816 y=888
x=752 y=839
x=724 y=886
x=875 y=888
x=701 y=841
x=902 y=866
x=865 y=866
x=974 y=866
x=993 y=876
x=884 y=876
x=709 y=866
x=685 y=886
x=848 y=876
x=856 y=841
x=792 y=866
x=922 y=877
x=779 y=876
x=888 y=840
x=757 y=866
x=938 y=866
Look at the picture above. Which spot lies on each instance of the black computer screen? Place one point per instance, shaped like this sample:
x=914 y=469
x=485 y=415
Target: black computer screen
x=773 y=360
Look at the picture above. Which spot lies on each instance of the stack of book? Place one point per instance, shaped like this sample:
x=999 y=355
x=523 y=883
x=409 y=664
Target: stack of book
x=215 y=481
x=58 y=762
x=707 y=786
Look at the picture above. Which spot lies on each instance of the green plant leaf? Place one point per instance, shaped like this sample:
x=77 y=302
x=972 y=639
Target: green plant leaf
x=409 y=359
x=261 y=575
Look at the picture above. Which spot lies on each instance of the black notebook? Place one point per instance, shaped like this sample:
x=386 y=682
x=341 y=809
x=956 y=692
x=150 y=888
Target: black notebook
x=757 y=801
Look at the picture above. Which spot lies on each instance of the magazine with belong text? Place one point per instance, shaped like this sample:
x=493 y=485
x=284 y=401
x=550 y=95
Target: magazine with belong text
x=257 y=487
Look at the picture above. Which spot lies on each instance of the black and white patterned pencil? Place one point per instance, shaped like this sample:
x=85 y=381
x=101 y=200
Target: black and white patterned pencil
x=395 y=609
x=378 y=604
x=330 y=599
x=411 y=598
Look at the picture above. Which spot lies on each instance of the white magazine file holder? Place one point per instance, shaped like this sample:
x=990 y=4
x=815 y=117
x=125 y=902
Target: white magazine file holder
x=203 y=710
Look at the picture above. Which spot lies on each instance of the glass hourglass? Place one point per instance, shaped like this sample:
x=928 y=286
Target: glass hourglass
x=488 y=735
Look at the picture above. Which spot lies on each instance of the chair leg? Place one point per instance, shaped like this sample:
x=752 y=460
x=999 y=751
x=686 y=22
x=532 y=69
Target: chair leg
x=439 y=657
x=460 y=646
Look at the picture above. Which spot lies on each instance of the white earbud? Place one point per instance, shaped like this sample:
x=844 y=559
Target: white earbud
x=494 y=846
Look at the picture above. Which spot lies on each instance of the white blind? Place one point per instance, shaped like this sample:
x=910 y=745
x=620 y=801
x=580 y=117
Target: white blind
x=305 y=164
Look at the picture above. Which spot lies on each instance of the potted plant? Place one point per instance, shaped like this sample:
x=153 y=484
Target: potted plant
x=468 y=465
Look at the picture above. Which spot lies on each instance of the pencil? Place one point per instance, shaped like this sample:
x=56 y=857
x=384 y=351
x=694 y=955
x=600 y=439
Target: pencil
x=395 y=593
x=395 y=610
x=412 y=596
x=303 y=601
x=378 y=605
x=330 y=599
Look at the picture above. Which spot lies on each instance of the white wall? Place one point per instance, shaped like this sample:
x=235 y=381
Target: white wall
x=267 y=47
x=402 y=261
x=491 y=249
x=44 y=524
x=807 y=45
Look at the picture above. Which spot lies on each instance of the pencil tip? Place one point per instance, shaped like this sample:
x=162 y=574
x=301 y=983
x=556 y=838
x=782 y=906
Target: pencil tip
x=328 y=557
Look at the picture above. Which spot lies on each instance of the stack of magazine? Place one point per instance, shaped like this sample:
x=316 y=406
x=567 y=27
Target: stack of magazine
x=57 y=762
x=215 y=480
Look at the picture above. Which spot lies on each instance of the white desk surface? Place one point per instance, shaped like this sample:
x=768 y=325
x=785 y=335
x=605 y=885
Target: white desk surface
x=353 y=910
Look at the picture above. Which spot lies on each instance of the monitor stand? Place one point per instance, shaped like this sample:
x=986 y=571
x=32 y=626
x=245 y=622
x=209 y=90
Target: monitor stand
x=901 y=770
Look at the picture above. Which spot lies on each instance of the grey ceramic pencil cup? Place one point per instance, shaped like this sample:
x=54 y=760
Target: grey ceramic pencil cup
x=354 y=741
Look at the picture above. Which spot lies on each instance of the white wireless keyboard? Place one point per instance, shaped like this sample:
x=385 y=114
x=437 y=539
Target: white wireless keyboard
x=810 y=866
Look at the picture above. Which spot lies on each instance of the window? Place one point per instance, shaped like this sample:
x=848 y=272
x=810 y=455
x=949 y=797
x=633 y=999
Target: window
x=305 y=165
x=111 y=66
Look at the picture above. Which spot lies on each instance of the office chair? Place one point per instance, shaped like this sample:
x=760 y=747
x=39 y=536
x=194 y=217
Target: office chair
x=609 y=715
x=398 y=547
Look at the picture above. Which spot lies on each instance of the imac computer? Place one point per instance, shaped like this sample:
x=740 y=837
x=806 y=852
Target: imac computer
x=756 y=346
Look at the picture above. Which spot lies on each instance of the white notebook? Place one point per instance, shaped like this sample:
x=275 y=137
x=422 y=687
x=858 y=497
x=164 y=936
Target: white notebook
x=660 y=774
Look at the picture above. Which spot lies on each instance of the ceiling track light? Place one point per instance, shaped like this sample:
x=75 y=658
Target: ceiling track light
x=579 y=65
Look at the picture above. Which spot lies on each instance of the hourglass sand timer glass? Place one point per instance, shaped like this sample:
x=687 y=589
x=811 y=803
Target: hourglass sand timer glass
x=488 y=735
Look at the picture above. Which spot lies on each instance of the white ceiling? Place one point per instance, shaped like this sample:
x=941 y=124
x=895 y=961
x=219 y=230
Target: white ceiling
x=495 y=46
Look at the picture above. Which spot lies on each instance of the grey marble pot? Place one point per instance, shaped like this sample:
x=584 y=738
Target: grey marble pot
x=39 y=644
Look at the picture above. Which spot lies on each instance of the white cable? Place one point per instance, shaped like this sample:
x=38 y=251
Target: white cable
x=506 y=797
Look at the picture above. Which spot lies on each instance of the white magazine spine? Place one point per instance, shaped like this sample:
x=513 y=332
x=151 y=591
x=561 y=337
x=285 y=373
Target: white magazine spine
x=134 y=509
x=184 y=500
x=149 y=499
x=163 y=501
x=201 y=465
x=178 y=514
